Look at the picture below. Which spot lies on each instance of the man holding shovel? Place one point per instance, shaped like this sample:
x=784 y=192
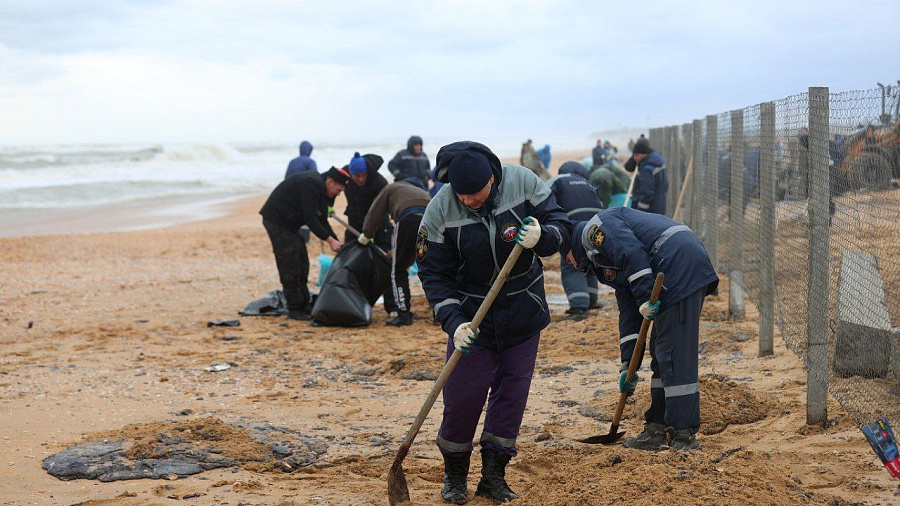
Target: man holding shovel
x=469 y=229
x=626 y=248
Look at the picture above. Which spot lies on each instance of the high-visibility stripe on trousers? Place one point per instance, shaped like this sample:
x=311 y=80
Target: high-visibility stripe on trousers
x=503 y=379
x=674 y=342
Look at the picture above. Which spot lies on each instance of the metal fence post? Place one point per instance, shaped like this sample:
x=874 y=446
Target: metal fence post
x=818 y=289
x=711 y=190
x=673 y=172
x=687 y=144
x=696 y=178
x=767 y=228
x=736 y=218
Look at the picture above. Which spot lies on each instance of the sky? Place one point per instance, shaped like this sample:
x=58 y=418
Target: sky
x=89 y=71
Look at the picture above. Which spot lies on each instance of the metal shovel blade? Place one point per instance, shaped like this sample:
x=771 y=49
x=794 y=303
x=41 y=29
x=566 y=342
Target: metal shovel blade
x=398 y=492
x=603 y=439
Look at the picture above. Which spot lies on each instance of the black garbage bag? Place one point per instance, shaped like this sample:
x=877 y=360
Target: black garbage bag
x=357 y=277
x=273 y=304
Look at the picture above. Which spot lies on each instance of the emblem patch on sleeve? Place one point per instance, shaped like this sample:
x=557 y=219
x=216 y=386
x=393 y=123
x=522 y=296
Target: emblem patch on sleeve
x=509 y=231
x=609 y=274
x=595 y=235
x=421 y=243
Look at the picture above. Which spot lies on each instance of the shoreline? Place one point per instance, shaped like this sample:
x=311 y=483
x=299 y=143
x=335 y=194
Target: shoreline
x=121 y=217
x=155 y=214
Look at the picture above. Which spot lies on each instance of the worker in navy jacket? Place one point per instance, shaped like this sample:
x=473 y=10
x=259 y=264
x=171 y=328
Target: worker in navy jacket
x=303 y=162
x=626 y=248
x=652 y=182
x=469 y=229
x=575 y=194
x=411 y=162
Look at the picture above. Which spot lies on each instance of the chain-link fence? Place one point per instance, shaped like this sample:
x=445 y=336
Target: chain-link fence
x=797 y=203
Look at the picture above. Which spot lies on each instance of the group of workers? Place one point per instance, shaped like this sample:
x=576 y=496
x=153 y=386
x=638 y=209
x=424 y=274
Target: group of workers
x=462 y=236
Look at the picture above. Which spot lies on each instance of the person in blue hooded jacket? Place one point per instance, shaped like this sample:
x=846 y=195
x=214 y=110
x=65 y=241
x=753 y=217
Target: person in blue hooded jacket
x=468 y=231
x=303 y=162
x=652 y=182
x=544 y=152
x=575 y=194
x=411 y=162
x=625 y=249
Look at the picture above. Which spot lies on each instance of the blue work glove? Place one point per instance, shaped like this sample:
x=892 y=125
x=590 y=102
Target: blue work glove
x=649 y=309
x=627 y=387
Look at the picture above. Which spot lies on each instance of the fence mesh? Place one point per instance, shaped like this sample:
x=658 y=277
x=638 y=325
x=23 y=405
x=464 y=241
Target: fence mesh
x=832 y=161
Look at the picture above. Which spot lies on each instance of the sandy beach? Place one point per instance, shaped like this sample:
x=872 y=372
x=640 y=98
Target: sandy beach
x=104 y=333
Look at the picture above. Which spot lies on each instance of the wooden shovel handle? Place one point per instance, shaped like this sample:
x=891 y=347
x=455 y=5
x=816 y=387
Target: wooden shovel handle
x=638 y=352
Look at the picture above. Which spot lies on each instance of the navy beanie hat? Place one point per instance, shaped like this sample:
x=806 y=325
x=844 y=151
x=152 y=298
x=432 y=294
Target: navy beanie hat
x=358 y=165
x=469 y=172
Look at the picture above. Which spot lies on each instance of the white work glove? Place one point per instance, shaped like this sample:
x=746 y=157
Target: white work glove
x=649 y=309
x=529 y=233
x=362 y=239
x=464 y=337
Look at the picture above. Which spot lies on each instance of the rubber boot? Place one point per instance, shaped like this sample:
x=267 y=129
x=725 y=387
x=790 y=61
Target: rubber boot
x=403 y=318
x=456 y=471
x=298 y=314
x=493 y=476
x=577 y=314
x=652 y=438
x=683 y=440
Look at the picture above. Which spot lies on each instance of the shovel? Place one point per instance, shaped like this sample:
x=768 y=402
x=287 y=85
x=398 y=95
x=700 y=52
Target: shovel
x=614 y=434
x=356 y=233
x=398 y=492
x=634 y=176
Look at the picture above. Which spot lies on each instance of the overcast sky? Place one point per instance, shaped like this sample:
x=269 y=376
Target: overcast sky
x=260 y=70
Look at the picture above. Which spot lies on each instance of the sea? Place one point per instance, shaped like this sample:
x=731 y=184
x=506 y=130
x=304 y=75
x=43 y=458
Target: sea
x=49 y=180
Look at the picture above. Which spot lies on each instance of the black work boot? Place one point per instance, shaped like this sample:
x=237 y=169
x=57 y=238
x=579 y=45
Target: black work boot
x=652 y=438
x=577 y=314
x=683 y=440
x=493 y=476
x=456 y=470
x=403 y=318
x=298 y=314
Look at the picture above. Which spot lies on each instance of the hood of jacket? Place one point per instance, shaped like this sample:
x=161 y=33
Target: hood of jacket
x=574 y=168
x=415 y=182
x=305 y=148
x=373 y=162
x=655 y=159
x=415 y=139
x=447 y=153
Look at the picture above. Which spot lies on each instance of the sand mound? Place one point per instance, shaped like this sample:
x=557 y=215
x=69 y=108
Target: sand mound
x=618 y=476
x=722 y=403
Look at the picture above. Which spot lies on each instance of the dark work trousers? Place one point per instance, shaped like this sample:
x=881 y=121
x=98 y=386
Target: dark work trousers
x=507 y=375
x=293 y=263
x=581 y=289
x=403 y=243
x=674 y=387
x=382 y=239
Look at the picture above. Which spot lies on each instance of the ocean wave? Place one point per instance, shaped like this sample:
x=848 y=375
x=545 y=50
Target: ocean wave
x=92 y=194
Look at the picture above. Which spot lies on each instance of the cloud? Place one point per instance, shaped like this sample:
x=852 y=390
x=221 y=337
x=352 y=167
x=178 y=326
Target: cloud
x=255 y=70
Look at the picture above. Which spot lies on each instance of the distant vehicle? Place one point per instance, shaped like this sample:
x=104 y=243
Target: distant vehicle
x=873 y=151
